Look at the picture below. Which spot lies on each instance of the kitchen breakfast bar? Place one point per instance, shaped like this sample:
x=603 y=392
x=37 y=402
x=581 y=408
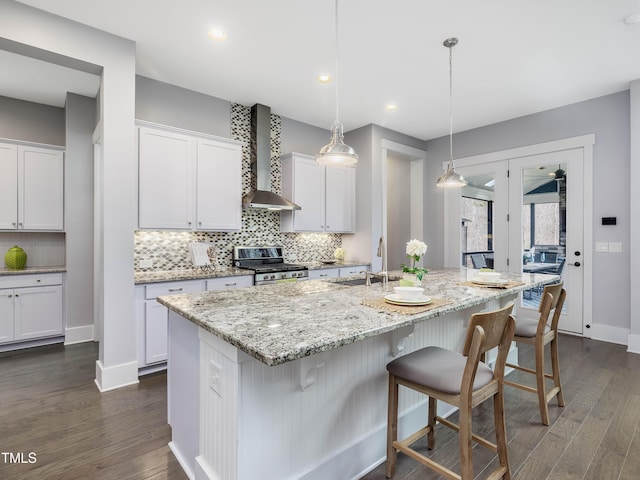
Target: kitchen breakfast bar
x=288 y=381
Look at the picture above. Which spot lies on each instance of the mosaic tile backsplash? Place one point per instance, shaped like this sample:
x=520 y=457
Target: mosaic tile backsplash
x=169 y=250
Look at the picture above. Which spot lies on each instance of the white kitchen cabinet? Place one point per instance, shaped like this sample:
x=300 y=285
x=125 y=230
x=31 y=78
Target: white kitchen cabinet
x=324 y=273
x=187 y=182
x=353 y=270
x=31 y=188
x=152 y=318
x=31 y=307
x=226 y=283
x=326 y=196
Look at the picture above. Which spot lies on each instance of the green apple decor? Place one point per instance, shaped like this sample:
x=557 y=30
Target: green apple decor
x=15 y=258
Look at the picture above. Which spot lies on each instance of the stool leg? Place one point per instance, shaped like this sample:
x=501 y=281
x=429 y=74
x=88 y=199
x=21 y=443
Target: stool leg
x=392 y=426
x=555 y=365
x=431 y=422
x=501 y=431
x=542 y=396
x=466 y=461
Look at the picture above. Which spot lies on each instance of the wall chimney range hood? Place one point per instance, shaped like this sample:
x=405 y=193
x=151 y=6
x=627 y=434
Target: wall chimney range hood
x=261 y=196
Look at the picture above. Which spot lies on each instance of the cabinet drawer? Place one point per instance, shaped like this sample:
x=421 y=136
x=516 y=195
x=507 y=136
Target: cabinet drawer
x=354 y=270
x=224 y=283
x=324 y=273
x=32 y=280
x=159 y=289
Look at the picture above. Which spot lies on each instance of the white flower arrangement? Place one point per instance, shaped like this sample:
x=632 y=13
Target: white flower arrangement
x=415 y=250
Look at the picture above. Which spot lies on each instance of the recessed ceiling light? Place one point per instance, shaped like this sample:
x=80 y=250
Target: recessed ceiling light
x=217 y=34
x=324 y=78
x=391 y=107
x=631 y=19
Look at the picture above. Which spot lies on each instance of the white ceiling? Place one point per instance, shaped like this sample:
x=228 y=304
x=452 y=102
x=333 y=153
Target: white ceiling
x=515 y=57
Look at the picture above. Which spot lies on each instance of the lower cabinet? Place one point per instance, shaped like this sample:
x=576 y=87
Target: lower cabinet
x=31 y=307
x=337 y=272
x=152 y=318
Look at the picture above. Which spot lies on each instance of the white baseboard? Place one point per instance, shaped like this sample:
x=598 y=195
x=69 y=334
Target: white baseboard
x=633 y=345
x=117 y=376
x=78 y=334
x=182 y=461
x=607 y=333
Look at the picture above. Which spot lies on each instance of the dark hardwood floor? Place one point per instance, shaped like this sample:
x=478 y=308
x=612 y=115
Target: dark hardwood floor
x=49 y=405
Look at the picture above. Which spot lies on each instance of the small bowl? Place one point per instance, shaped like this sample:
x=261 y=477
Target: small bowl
x=408 y=293
x=489 y=276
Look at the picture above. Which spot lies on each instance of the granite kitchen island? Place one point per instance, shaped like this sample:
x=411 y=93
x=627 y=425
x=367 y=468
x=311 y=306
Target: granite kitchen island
x=288 y=381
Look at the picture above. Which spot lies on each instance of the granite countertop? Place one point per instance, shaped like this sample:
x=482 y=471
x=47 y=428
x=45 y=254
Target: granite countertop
x=280 y=323
x=188 y=274
x=33 y=270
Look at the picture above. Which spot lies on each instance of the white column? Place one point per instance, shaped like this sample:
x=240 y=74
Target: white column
x=633 y=344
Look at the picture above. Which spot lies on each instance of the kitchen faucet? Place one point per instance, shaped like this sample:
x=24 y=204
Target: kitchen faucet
x=383 y=274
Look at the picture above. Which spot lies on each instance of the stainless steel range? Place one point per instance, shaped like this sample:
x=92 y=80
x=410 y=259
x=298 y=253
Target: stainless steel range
x=269 y=265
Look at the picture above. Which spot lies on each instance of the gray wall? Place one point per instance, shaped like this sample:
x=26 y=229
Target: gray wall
x=301 y=137
x=31 y=122
x=80 y=112
x=608 y=118
x=167 y=104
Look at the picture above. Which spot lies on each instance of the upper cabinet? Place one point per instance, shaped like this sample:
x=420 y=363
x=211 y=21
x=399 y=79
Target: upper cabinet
x=326 y=196
x=188 y=182
x=31 y=188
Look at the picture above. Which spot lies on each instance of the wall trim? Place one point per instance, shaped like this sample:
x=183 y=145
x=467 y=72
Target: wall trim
x=110 y=378
x=208 y=136
x=78 y=334
x=633 y=345
x=607 y=333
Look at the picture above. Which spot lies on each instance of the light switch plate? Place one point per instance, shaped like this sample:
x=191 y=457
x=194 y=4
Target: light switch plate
x=615 y=247
x=602 y=247
x=215 y=376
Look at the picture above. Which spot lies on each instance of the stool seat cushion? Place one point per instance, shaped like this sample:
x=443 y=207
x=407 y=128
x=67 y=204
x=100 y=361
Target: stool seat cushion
x=528 y=328
x=438 y=368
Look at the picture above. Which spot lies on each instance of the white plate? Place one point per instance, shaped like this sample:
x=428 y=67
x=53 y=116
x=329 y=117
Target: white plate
x=328 y=262
x=397 y=300
x=480 y=281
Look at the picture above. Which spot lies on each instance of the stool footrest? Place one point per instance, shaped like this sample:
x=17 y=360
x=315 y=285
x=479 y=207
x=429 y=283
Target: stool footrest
x=521 y=387
x=426 y=461
x=479 y=440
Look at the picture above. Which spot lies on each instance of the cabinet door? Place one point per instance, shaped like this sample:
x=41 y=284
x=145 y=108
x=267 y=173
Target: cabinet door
x=340 y=199
x=219 y=186
x=40 y=189
x=165 y=183
x=8 y=187
x=156 y=330
x=6 y=316
x=38 y=312
x=308 y=181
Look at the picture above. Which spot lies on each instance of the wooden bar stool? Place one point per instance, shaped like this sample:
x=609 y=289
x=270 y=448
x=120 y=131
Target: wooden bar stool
x=461 y=380
x=540 y=333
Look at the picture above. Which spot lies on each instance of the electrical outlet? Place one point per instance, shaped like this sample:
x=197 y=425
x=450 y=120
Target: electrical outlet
x=146 y=263
x=615 y=247
x=602 y=247
x=215 y=377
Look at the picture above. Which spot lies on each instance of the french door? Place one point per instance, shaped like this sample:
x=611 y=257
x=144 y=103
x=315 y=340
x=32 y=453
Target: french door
x=535 y=206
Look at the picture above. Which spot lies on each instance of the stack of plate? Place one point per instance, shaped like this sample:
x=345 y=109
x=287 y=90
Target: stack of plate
x=396 y=299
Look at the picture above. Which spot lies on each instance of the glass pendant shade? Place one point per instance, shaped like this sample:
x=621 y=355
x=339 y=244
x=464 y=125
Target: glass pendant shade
x=337 y=152
x=451 y=178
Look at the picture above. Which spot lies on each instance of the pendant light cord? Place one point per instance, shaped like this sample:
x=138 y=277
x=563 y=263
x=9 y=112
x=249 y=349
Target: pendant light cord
x=336 y=73
x=450 y=104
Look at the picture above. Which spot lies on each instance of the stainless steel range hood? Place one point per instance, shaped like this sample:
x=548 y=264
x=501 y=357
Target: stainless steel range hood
x=262 y=197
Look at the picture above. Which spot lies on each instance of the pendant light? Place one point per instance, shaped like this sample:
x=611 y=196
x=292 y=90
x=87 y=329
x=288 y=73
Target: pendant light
x=450 y=177
x=337 y=152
